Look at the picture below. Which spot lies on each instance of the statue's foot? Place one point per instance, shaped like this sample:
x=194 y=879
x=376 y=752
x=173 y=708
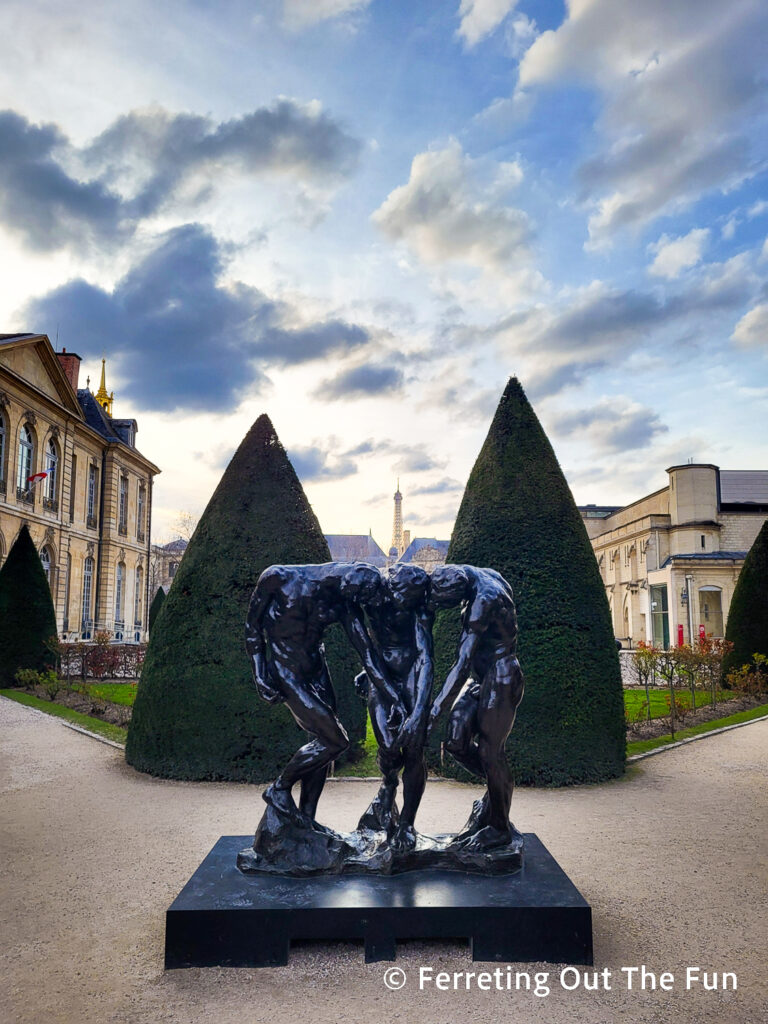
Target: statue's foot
x=382 y=814
x=478 y=818
x=280 y=799
x=488 y=838
x=404 y=838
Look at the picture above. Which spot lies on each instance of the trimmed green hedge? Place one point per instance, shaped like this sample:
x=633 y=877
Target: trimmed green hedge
x=197 y=714
x=27 y=615
x=518 y=516
x=154 y=609
x=747 y=627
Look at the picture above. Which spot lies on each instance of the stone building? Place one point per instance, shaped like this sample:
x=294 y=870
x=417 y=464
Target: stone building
x=165 y=560
x=355 y=547
x=670 y=561
x=88 y=505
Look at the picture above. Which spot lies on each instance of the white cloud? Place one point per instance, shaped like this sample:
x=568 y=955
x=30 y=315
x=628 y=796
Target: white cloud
x=447 y=212
x=679 y=82
x=764 y=250
x=758 y=208
x=728 y=229
x=676 y=254
x=300 y=13
x=521 y=32
x=752 y=329
x=480 y=17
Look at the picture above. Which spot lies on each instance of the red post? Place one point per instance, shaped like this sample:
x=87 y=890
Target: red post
x=679 y=634
x=702 y=633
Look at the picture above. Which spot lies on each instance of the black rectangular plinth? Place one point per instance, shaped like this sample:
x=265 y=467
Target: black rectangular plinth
x=224 y=918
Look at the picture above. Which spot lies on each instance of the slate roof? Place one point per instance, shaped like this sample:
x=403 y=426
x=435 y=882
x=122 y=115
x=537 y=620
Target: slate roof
x=744 y=486
x=95 y=416
x=355 y=547
x=424 y=542
x=173 y=546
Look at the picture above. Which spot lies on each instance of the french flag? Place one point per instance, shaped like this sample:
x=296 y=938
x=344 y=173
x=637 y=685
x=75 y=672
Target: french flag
x=38 y=476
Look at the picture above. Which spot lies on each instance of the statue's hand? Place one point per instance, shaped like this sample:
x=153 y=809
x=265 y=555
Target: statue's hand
x=413 y=733
x=396 y=717
x=268 y=694
x=434 y=714
x=362 y=685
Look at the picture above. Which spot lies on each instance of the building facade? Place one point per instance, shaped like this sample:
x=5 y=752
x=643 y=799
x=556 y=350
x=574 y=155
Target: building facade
x=89 y=505
x=670 y=561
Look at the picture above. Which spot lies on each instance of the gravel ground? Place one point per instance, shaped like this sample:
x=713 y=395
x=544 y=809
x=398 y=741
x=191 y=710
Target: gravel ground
x=673 y=859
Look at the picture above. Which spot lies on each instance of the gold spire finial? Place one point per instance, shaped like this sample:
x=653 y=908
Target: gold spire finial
x=102 y=396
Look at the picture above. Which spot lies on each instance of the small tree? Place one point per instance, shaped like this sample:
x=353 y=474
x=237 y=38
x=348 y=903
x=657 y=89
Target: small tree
x=27 y=615
x=747 y=627
x=643 y=660
x=712 y=652
x=667 y=667
x=689 y=667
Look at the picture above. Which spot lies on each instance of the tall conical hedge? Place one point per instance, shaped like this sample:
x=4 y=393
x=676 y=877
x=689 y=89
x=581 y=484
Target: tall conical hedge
x=747 y=627
x=27 y=615
x=518 y=516
x=154 y=609
x=197 y=714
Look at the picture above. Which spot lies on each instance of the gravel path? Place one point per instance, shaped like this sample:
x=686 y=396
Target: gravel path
x=673 y=858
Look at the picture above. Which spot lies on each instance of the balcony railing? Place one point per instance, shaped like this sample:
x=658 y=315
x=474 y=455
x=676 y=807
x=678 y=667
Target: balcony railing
x=2 y=487
x=86 y=629
x=91 y=522
x=119 y=630
x=141 y=536
x=122 y=529
x=27 y=496
x=50 y=505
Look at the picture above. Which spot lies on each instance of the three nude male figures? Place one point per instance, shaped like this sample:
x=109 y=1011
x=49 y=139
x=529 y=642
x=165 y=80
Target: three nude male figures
x=289 y=611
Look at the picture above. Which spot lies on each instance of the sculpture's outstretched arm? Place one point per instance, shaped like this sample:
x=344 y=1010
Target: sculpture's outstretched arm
x=456 y=677
x=352 y=620
x=412 y=730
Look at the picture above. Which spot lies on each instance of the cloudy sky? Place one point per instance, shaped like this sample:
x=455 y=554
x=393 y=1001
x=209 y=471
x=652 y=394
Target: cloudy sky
x=362 y=216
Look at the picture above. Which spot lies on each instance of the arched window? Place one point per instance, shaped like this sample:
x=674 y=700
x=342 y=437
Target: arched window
x=45 y=558
x=140 y=512
x=86 y=603
x=52 y=469
x=138 y=596
x=25 y=461
x=119 y=600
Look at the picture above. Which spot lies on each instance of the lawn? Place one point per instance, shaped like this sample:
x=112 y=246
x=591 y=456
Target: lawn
x=635 y=699
x=106 y=729
x=117 y=693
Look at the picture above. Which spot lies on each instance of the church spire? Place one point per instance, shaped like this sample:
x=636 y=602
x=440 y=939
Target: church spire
x=102 y=396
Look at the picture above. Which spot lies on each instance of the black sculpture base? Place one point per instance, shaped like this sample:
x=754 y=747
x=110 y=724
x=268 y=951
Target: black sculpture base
x=225 y=918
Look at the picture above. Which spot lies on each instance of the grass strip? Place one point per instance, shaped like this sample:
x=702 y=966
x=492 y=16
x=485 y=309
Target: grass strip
x=642 y=746
x=106 y=729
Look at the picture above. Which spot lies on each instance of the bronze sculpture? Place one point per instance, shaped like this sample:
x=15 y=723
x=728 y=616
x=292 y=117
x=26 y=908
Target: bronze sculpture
x=290 y=608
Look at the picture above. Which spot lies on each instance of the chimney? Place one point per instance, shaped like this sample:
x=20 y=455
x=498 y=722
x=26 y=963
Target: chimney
x=70 y=364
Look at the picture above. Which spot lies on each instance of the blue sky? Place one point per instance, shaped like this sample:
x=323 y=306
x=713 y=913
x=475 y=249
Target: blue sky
x=362 y=216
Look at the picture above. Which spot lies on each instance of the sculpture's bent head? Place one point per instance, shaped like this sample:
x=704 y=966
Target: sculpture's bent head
x=449 y=585
x=360 y=582
x=408 y=585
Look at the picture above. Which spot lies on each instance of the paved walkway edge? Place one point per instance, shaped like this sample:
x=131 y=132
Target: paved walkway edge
x=692 y=739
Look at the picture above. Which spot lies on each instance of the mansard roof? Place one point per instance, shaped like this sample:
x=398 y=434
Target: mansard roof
x=424 y=542
x=355 y=547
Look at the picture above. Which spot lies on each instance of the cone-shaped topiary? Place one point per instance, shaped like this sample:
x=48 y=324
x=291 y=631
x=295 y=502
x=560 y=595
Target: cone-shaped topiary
x=154 y=608
x=518 y=516
x=747 y=627
x=27 y=616
x=197 y=714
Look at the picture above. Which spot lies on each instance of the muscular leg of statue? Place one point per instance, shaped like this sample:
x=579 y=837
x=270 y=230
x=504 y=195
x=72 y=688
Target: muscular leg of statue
x=311 y=788
x=414 y=784
x=499 y=780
